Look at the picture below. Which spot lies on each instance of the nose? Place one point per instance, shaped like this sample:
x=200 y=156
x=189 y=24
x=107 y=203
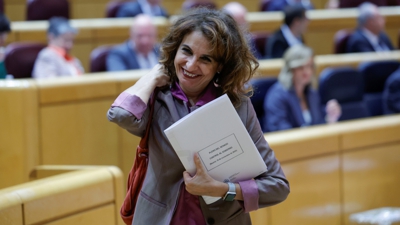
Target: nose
x=191 y=63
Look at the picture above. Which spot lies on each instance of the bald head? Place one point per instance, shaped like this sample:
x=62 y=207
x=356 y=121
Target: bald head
x=143 y=34
x=237 y=11
x=370 y=18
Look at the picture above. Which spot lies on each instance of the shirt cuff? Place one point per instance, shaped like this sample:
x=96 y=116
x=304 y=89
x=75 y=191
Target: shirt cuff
x=250 y=195
x=131 y=103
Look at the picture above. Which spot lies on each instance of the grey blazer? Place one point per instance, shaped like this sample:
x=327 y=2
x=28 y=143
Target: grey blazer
x=158 y=197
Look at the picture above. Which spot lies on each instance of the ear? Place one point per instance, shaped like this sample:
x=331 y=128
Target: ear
x=219 y=68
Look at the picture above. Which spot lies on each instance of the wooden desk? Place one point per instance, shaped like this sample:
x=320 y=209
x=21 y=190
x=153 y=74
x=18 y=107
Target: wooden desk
x=86 y=196
x=85 y=9
x=97 y=32
x=337 y=170
x=324 y=24
x=272 y=67
x=331 y=168
x=92 y=33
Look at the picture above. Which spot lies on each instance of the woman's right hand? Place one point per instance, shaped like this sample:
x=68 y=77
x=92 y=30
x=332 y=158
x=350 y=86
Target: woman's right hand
x=158 y=76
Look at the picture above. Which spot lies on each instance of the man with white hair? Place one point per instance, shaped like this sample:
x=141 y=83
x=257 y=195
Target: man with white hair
x=369 y=35
x=239 y=12
x=140 y=51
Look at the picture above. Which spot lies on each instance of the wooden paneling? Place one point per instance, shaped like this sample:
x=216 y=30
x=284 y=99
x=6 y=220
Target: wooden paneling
x=78 y=133
x=10 y=210
x=95 y=32
x=19 y=148
x=101 y=215
x=314 y=192
x=65 y=89
x=371 y=179
x=272 y=67
x=303 y=143
x=47 y=200
x=91 y=195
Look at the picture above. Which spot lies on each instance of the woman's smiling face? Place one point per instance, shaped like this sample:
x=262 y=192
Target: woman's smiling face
x=195 y=64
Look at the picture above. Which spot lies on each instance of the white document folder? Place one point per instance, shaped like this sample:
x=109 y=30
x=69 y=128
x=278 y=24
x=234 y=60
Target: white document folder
x=225 y=148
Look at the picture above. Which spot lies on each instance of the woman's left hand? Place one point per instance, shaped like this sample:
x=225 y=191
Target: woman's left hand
x=333 y=111
x=201 y=183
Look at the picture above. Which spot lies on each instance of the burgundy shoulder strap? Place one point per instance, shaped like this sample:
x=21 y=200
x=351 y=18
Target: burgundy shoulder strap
x=144 y=141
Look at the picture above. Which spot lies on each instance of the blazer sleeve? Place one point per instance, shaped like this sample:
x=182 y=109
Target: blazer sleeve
x=272 y=186
x=276 y=111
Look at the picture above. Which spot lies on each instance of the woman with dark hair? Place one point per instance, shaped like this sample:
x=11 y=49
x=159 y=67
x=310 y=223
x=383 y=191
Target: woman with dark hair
x=204 y=56
x=4 y=30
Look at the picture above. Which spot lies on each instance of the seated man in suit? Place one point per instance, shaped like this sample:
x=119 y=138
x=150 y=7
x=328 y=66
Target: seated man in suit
x=391 y=94
x=289 y=34
x=279 y=5
x=238 y=12
x=140 y=51
x=55 y=60
x=370 y=35
x=148 y=7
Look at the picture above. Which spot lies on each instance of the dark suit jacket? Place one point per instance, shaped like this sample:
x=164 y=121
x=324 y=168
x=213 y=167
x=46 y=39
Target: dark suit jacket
x=391 y=94
x=123 y=57
x=279 y=5
x=283 y=111
x=132 y=9
x=276 y=45
x=359 y=43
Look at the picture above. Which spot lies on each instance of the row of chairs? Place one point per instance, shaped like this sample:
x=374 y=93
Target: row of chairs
x=339 y=47
x=359 y=91
x=20 y=58
x=45 y=9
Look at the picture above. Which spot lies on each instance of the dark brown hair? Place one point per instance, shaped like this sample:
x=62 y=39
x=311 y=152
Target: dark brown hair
x=227 y=42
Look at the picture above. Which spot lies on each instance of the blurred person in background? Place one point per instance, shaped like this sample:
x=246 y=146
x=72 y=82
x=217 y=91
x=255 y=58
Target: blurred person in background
x=369 y=35
x=292 y=102
x=391 y=93
x=190 y=4
x=4 y=30
x=140 y=51
x=55 y=60
x=239 y=12
x=279 y=5
x=148 y=7
x=289 y=34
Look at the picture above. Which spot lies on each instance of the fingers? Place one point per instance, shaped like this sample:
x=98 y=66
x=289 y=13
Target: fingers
x=198 y=163
x=186 y=176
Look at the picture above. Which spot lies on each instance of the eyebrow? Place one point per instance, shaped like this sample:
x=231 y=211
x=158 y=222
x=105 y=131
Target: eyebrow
x=204 y=55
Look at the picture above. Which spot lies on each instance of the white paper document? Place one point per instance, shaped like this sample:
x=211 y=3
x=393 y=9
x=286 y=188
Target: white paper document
x=225 y=148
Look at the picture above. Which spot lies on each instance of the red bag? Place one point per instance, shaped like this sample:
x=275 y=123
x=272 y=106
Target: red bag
x=138 y=172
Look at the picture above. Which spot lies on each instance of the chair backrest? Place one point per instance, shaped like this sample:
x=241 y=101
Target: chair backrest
x=113 y=7
x=264 y=4
x=398 y=37
x=98 y=58
x=347 y=87
x=376 y=73
x=260 y=41
x=340 y=40
x=261 y=87
x=20 y=58
x=356 y=3
x=45 y=9
x=2 y=6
